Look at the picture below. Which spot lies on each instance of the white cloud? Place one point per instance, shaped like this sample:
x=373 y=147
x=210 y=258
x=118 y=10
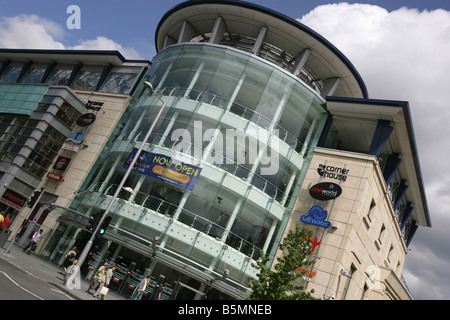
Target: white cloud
x=34 y=32
x=30 y=31
x=403 y=55
x=103 y=43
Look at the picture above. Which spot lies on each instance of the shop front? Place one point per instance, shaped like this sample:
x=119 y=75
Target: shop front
x=134 y=262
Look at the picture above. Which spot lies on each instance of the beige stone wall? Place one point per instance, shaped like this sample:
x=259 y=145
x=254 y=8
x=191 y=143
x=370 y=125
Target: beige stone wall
x=83 y=160
x=96 y=138
x=353 y=241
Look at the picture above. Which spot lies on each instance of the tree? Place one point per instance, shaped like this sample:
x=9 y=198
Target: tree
x=278 y=284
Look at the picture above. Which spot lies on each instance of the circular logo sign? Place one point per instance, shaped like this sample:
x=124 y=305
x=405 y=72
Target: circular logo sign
x=86 y=119
x=325 y=191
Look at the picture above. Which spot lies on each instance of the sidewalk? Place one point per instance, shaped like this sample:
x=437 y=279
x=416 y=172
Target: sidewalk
x=48 y=272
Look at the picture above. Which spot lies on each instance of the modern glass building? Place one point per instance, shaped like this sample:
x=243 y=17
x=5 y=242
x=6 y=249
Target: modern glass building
x=57 y=110
x=246 y=94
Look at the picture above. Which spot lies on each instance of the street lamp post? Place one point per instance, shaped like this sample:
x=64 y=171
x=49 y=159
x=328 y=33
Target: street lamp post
x=88 y=246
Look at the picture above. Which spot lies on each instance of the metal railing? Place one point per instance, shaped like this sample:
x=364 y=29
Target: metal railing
x=236 y=108
x=186 y=217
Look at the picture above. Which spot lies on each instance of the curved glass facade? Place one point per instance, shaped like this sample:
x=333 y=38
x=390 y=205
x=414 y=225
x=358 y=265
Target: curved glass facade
x=246 y=124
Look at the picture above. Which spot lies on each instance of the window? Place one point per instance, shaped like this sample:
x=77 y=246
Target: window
x=368 y=218
x=67 y=114
x=347 y=282
x=14 y=136
x=11 y=74
x=60 y=76
x=33 y=75
x=87 y=80
x=118 y=82
x=372 y=206
x=45 y=151
x=364 y=292
x=391 y=253
x=380 y=237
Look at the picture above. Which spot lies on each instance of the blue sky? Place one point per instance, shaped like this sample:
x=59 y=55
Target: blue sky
x=119 y=20
x=401 y=54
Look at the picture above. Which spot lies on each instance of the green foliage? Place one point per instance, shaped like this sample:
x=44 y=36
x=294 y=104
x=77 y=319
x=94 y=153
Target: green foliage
x=278 y=284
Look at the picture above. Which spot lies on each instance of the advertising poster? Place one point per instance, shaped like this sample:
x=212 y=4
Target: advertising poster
x=165 y=168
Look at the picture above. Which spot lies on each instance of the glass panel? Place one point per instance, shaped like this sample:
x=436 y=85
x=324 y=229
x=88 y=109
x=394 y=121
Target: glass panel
x=275 y=95
x=45 y=151
x=34 y=75
x=183 y=69
x=87 y=80
x=118 y=82
x=11 y=74
x=256 y=79
x=59 y=76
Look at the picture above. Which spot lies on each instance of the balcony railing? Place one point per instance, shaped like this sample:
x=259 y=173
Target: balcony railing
x=236 y=108
x=186 y=217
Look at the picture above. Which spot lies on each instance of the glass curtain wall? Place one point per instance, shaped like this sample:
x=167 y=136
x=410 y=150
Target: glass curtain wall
x=259 y=95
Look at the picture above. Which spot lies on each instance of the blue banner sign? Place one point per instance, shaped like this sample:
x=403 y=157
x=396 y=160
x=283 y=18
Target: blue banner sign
x=165 y=168
x=316 y=216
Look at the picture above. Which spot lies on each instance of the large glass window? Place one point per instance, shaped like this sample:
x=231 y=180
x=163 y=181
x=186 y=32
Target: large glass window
x=11 y=74
x=67 y=114
x=34 y=74
x=195 y=80
x=119 y=82
x=44 y=153
x=60 y=75
x=87 y=80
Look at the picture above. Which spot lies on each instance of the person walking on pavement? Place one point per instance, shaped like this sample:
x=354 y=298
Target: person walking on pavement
x=70 y=260
x=34 y=240
x=160 y=292
x=105 y=281
x=97 y=278
x=139 y=291
x=6 y=221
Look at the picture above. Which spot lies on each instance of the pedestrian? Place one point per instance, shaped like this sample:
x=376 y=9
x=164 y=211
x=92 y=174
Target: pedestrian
x=160 y=292
x=105 y=281
x=6 y=221
x=2 y=216
x=33 y=242
x=97 y=278
x=139 y=291
x=70 y=260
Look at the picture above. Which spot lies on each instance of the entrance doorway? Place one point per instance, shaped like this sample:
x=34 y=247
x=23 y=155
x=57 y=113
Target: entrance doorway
x=134 y=265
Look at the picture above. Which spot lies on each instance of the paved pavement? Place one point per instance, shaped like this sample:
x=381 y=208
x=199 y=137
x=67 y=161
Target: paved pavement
x=48 y=272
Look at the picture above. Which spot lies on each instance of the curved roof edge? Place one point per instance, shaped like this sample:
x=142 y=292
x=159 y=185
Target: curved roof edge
x=278 y=15
x=404 y=105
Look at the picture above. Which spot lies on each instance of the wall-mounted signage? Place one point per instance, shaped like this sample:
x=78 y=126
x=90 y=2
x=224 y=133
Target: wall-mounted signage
x=94 y=105
x=332 y=172
x=55 y=176
x=76 y=137
x=13 y=199
x=86 y=119
x=325 y=191
x=70 y=147
x=165 y=168
x=61 y=163
x=316 y=216
x=314 y=243
x=308 y=274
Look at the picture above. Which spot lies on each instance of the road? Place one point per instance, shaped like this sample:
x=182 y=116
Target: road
x=18 y=284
